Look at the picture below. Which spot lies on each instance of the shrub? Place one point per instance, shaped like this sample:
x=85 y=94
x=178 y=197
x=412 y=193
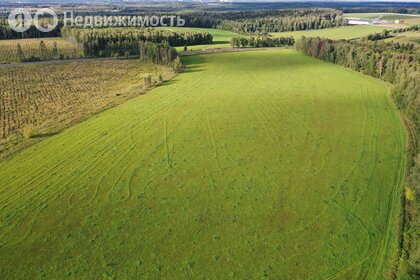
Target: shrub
x=409 y=194
x=28 y=131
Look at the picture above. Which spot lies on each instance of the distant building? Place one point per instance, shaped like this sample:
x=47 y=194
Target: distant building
x=360 y=21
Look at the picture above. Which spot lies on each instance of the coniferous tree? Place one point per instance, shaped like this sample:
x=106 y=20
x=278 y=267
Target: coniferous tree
x=20 y=54
x=43 y=50
x=55 y=54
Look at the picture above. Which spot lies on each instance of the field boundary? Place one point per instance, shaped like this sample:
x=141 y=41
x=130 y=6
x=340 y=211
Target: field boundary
x=227 y=50
x=15 y=145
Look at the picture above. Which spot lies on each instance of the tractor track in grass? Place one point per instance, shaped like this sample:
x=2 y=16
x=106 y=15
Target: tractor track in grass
x=394 y=197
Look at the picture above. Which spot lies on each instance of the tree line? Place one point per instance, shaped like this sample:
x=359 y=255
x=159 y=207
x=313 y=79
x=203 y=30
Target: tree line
x=261 y=42
x=407 y=29
x=389 y=34
x=398 y=64
x=7 y=33
x=105 y=42
x=379 y=36
x=396 y=10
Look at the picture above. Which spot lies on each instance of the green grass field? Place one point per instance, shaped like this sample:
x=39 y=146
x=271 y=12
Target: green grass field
x=291 y=171
x=346 y=32
x=221 y=38
x=412 y=21
x=405 y=37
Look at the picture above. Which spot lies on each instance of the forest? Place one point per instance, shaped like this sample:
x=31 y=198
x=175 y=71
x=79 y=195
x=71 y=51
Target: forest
x=283 y=23
x=242 y=21
x=397 y=10
x=399 y=65
x=263 y=21
x=108 y=42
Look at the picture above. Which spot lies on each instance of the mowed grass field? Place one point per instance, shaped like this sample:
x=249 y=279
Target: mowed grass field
x=291 y=171
x=31 y=47
x=405 y=37
x=221 y=38
x=48 y=97
x=345 y=32
x=412 y=21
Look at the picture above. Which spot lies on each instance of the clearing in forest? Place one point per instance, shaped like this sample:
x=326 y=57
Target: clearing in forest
x=345 y=32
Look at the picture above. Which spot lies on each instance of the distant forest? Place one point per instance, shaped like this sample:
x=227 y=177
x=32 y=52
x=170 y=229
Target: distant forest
x=245 y=22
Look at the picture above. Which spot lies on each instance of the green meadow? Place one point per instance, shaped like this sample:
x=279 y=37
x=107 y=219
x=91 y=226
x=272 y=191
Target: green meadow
x=405 y=37
x=221 y=38
x=345 y=32
x=291 y=171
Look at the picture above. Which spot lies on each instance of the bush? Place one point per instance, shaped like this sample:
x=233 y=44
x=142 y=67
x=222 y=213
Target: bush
x=28 y=131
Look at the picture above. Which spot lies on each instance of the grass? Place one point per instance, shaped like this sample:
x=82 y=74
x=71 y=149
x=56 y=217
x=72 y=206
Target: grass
x=346 y=32
x=405 y=37
x=51 y=96
x=289 y=171
x=221 y=38
x=30 y=47
x=412 y=21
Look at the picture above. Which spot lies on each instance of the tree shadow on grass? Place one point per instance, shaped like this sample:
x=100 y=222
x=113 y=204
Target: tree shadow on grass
x=44 y=135
x=192 y=69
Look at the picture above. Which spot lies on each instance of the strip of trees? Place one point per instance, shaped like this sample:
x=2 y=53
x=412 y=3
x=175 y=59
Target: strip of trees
x=389 y=34
x=107 y=42
x=398 y=64
x=407 y=29
x=159 y=53
x=379 y=36
x=261 y=42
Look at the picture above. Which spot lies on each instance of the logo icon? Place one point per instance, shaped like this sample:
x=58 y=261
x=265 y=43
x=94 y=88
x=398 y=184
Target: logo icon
x=51 y=14
x=20 y=20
